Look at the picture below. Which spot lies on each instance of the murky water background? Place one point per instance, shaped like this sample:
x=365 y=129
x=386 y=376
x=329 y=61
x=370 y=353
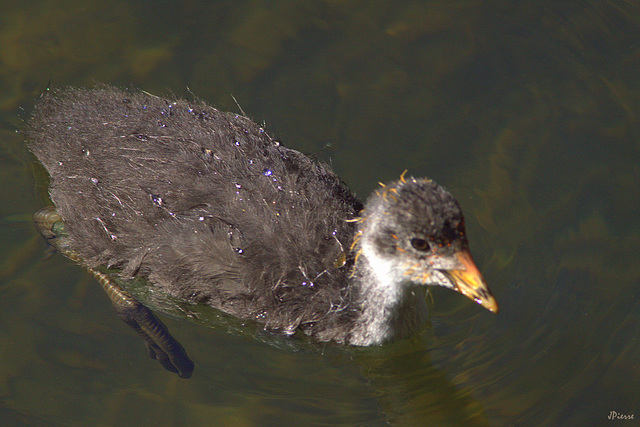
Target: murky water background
x=527 y=111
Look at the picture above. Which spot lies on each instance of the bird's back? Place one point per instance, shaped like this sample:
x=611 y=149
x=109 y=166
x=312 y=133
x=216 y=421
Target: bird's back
x=203 y=204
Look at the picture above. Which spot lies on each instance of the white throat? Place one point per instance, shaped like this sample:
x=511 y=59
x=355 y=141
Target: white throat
x=390 y=308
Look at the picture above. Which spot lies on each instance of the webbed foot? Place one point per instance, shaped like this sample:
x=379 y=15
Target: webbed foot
x=50 y=225
x=161 y=345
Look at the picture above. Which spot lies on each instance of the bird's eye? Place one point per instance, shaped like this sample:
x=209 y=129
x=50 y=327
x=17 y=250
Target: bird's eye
x=419 y=244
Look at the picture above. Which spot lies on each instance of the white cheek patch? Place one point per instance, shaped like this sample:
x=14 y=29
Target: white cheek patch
x=441 y=279
x=420 y=275
x=443 y=263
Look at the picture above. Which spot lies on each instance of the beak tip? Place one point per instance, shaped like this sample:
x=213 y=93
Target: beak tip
x=490 y=304
x=469 y=282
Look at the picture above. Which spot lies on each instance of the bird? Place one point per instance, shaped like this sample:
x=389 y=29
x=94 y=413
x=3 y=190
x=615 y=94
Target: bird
x=171 y=204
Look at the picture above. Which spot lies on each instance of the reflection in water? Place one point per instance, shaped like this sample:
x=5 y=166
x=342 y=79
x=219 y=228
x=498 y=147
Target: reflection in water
x=526 y=111
x=413 y=392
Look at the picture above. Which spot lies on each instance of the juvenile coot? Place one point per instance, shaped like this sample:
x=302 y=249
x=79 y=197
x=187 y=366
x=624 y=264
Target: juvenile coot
x=196 y=206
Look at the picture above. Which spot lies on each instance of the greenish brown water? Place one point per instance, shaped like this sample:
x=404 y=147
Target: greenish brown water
x=527 y=111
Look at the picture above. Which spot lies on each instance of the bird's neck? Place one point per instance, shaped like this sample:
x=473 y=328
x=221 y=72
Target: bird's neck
x=390 y=308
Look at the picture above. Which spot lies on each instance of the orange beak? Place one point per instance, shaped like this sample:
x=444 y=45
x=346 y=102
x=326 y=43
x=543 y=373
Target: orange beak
x=469 y=282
